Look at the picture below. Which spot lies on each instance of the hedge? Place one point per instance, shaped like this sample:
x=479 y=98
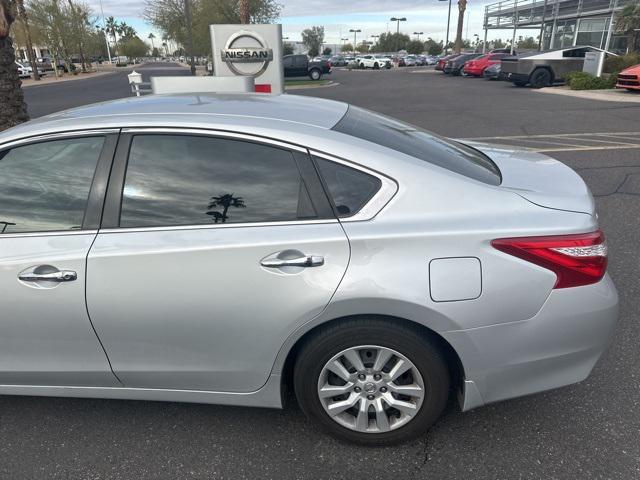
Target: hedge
x=586 y=81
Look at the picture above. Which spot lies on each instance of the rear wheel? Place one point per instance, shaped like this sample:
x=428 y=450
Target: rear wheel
x=376 y=66
x=372 y=381
x=315 y=74
x=540 y=77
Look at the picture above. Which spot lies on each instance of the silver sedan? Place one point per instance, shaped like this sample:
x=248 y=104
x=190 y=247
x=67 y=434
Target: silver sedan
x=216 y=249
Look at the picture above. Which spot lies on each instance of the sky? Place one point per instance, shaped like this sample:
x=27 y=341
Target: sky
x=338 y=17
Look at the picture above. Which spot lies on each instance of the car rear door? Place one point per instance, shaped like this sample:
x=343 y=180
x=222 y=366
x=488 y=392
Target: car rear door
x=51 y=194
x=214 y=248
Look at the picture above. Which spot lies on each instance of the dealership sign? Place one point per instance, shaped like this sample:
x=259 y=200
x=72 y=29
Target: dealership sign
x=249 y=50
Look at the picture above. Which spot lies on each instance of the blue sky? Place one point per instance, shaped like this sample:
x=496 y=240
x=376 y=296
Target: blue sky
x=338 y=17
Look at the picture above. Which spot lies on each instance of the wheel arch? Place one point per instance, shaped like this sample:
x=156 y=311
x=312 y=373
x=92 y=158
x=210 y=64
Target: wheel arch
x=451 y=356
x=543 y=67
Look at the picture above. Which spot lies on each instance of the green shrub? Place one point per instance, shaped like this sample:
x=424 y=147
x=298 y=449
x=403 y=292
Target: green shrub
x=586 y=81
x=617 y=64
x=120 y=64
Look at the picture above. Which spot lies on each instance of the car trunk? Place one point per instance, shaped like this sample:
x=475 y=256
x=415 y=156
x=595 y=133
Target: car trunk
x=540 y=179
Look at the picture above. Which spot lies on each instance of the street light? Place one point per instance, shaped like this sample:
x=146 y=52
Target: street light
x=398 y=20
x=355 y=34
x=418 y=34
x=446 y=42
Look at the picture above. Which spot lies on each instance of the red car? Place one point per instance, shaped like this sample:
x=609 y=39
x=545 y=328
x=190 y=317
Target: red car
x=629 y=78
x=477 y=66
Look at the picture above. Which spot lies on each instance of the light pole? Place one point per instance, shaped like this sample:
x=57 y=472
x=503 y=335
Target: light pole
x=398 y=20
x=477 y=41
x=446 y=42
x=418 y=34
x=343 y=40
x=355 y=35
x=376 y=38
x=106 y=39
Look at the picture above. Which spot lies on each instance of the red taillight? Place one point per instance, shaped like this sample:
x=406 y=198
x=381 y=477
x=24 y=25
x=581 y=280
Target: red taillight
x=575 y=259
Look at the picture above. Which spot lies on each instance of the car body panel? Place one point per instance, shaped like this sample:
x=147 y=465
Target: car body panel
x=158 y=335
x=46 y=337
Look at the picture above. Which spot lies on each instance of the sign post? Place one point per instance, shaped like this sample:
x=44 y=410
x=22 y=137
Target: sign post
x=593 y=63
x=249 y=51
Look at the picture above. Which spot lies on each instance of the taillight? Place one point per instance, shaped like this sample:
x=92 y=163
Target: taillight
x=576 y=260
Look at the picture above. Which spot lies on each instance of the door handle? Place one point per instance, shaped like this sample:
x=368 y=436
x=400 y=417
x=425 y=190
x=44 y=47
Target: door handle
x=59 y=276
x=304 y=261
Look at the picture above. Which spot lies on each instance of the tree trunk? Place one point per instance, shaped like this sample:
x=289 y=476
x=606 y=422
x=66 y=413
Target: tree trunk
x=462 y=7
x=79 y=20
x=13 y=110
x=245 y=16
x=27 y=34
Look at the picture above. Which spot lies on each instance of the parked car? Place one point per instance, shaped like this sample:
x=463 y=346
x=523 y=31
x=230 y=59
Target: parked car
x=476 y=66
x=273 y=241
x=443 y=61
x=431 y=60
x=338 y=61
x=492 y=72
x=374 y=61
x=547 y=68
x=300 y=66
x=399 y=61
x=25 y=70
x=455 y=65
x=629 y=79
x=410 y=61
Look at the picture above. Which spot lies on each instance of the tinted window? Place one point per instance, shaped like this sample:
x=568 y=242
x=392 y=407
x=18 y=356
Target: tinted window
x=300 y=60
x=349 y=188
x=45 y=186
x=418 y=143
x=191 y=180
x=287 y=62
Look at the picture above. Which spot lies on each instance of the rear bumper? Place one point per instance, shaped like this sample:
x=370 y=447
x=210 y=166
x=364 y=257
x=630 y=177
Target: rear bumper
x=559 y=346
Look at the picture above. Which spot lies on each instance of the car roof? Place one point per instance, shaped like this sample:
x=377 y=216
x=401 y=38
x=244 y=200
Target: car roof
x=174 y=109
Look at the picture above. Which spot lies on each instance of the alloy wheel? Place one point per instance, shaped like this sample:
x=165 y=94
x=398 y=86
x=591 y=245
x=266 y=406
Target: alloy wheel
x=371 y=389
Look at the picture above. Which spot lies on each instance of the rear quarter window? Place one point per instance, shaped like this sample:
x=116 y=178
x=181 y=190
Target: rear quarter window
x=420 y=144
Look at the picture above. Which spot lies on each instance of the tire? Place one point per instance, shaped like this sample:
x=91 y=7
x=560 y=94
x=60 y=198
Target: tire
x=541 y=77
x=315 y=74
x=372 y=335
x=376 y=66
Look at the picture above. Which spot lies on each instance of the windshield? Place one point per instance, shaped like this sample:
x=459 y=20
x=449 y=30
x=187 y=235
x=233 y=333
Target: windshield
x=418 y=143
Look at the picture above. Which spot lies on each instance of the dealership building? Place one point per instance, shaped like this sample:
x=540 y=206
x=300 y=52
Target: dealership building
x=561 y=23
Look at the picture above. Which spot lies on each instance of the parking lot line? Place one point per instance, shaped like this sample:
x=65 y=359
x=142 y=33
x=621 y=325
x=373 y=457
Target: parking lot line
x=567 y=142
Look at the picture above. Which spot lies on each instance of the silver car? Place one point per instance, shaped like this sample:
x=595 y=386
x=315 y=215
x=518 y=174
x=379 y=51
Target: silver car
x=217 y=249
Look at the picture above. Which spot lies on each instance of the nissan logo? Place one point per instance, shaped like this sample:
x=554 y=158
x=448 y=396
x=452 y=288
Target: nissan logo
x=249 y=50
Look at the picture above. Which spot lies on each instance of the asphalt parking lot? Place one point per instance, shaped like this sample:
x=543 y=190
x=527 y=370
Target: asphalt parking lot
x=588 y=431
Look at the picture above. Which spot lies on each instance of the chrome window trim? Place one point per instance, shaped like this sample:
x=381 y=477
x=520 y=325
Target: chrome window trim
x=216 y=133
x=216 y=226
x=57 y=136
x=387 y=191
x=52 y=233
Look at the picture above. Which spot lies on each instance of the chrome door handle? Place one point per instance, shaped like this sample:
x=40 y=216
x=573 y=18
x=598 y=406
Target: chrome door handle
x=60 y=276
x=304 y=261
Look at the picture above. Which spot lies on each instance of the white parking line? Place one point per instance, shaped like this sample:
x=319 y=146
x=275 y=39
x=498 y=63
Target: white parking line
x=560 y=142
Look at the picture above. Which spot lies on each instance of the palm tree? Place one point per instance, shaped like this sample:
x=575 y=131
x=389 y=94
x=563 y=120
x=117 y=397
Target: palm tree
x=462 y=6
x=225 y=201
x=13 y=110
x=111 y=27
x=628 y=21
x=22 y=13
x=151 y=37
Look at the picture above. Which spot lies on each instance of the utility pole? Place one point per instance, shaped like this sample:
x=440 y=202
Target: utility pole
x=398 y=20
x=104 y=29
x=446 y=42
x=355 y=34
x=187 y=13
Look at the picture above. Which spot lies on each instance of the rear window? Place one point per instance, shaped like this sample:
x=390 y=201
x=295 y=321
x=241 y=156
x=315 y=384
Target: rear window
x=418 y=143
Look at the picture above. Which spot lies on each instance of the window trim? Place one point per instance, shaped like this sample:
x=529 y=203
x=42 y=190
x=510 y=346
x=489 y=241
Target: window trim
x=96 y=197
x=388 y=188
x=300 y=155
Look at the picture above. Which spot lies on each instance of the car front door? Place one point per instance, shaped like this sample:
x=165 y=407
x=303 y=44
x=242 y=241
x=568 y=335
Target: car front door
x=213 y=250
x=51 y=194
x=300 y=65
